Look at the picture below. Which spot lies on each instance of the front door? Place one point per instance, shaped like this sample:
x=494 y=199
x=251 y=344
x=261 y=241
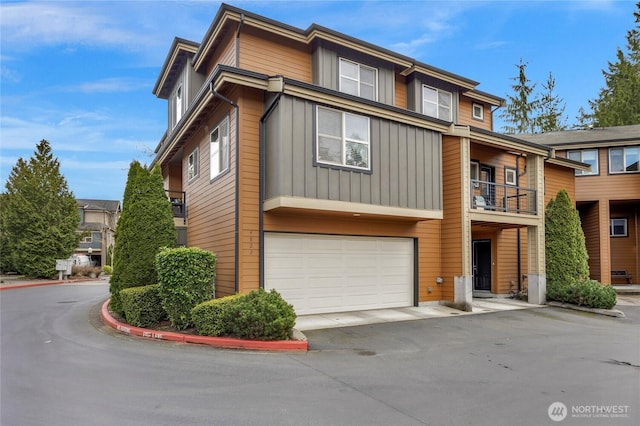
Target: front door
x=482 y=265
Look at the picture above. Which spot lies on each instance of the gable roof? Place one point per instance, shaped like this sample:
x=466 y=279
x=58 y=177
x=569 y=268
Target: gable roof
x=108 y=205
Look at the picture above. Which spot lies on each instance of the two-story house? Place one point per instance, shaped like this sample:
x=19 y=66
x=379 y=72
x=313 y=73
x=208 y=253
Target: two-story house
x=347 y=176
x=607 y=196
x=98 y=221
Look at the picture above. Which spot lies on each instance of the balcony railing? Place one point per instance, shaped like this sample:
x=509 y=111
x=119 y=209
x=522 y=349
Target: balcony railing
x=178 y=202
x=498 y=197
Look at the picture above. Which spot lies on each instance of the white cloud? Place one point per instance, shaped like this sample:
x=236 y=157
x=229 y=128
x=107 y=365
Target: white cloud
x=109 y=85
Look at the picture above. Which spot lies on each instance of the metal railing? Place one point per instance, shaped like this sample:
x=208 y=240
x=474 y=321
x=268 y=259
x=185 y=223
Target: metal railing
x=178 y=202
x=503 y=198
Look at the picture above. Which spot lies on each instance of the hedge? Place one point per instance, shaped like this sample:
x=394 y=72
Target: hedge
x=258 y=315
x=185 y=277
x=142 y=305
x=211 y=318
x=587 y=293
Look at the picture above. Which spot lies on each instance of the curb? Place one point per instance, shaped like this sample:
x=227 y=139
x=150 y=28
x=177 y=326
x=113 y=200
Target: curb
x=608 y=312
x=218 y=342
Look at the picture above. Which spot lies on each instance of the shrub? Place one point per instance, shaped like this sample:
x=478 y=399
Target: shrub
x=260 y=315
x=85 y=271
x=211 y=317
x=142 y=306
x=592 y=294
x=185 y=276
x=107 y=269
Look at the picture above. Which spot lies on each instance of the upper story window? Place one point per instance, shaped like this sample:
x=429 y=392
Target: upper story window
x=618 y=227
x=358 y=80
x=193 y=164
x=178 y=105
x=87 y=239
x=588 y=156
x=477 y=111
x=219 y=148
x=624 y=160
x=436 y=103
x=343 y=139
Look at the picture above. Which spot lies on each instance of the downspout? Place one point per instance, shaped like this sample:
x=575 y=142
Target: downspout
x=238 y=39
x=262 y=153
x=518 y=249
x=237 y=200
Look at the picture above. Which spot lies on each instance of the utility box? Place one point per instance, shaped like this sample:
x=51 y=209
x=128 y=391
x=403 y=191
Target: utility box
x=63 y=266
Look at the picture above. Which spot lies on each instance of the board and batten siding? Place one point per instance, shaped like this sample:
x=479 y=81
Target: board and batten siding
x=405 y=162
x=326 y=69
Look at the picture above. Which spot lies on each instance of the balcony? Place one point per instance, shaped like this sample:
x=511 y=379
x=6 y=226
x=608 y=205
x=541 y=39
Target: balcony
x=178 y=202
x=496 y=197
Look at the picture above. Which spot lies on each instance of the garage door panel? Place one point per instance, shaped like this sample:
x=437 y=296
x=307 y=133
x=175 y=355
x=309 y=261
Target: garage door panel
x=322 y=273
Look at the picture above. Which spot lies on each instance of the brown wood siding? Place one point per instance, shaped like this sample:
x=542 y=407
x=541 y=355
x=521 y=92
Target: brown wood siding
x=251 y=106
x=624 y=250
x=590 y=220
x=224 y=53
x=557 y=178
x=451 y=242
x=274 y=55
x=465 y=114
x=211 y=204
x=400 y=91
x=499 y=159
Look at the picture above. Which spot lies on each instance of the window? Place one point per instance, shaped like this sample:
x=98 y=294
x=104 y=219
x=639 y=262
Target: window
x=87 y=239
x=477 y=111
x=358 y=80
x=475 y=172
x=624 y=160
x=220 y=148
x=510 y=176
x=342 y=138
x=178 y=105
x=192 y=165
x=436 y=103
x=588 y=156
x=618 y=227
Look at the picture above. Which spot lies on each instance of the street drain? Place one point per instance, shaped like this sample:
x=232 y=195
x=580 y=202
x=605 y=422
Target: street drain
x=68 y=301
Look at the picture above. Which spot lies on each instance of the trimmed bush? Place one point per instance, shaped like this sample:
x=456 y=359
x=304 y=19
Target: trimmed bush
x=260 y=315
x=185 y=276
x=142 y=305
x=211 y=317
x=107 y=270
x=592 y=294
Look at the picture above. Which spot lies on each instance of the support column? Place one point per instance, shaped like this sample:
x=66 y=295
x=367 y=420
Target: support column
x=536 y=276
x=605 y=241
x=463 y=284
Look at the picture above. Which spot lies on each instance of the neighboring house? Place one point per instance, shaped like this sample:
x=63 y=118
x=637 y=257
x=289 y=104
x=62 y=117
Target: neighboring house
x=347 y=176
x=607 y=196
x=98 y=221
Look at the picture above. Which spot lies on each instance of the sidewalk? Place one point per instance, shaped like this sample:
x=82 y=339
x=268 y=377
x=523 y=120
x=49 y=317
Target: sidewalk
x=8 y=282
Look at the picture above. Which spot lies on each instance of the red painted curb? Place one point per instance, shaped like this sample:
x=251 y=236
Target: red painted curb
x=43 y=283
x=218 y=342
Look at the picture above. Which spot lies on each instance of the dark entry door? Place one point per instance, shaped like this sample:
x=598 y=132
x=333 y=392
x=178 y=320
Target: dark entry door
x=482 y=265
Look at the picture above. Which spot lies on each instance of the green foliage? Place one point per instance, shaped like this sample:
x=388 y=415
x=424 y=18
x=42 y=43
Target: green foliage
x=587 y=293
x=618 y=103
x=211 y=318
x=145 y=226
x=260 y=315
x=566 y=252
x=107 y=270
x=550 y=117
x=39 y=216
x=185 y=276
x=142 y=305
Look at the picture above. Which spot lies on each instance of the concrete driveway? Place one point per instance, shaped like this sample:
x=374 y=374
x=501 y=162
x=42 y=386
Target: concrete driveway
x=61 y=366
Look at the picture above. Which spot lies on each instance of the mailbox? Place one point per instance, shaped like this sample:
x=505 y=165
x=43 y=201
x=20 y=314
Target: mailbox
x=63 y=266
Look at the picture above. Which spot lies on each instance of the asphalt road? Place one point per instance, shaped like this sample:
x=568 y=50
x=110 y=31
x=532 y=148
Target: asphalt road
x=61 y=366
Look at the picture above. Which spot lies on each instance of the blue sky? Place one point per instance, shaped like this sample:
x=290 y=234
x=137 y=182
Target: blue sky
x=80 y=74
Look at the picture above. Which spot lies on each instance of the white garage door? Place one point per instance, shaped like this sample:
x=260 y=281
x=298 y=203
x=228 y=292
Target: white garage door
x=324 y=273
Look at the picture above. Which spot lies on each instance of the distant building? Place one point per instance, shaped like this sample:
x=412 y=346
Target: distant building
x=98 y=221
x=607 y=196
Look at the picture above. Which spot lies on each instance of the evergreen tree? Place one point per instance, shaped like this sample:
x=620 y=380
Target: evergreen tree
x=618 y=104
x=145 y=226
x=520 y=109
x=39 y=216
x=566 y=252
x=551 y=108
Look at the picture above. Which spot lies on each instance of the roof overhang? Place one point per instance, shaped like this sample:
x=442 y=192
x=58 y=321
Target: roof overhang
x=178 y=55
